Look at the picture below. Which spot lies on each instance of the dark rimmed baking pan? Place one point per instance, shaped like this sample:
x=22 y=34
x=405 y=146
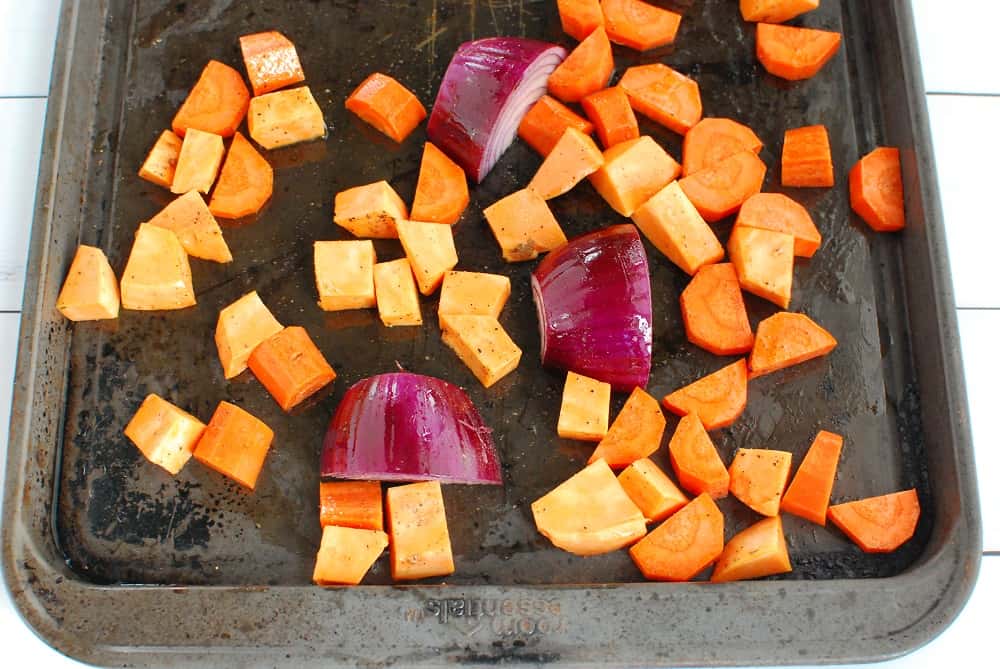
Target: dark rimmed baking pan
x=114 y=562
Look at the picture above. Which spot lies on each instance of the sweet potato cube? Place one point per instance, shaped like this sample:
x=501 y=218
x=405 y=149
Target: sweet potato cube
x=345 y=274
x=241 y=327
x=676 y=228
x=160 y=164
x=290 y=366
x=430 y=248
x=285 y=117
x=482 y=344
x=351 y=504
x=421 y=546
x=90 y=291
x=757 y=477
x=684 y=544
x=651 y=490
x=234 y=444
x=574 y=157
x=188 y=216
x=157 y=274
x=371 y=210
x=396 y=293
x=475 y=293
x=764 y=261
x=271 y=61
x=586 y=403
x=635 y=433
x=165 y=434
x=633 y=172
x=346 y=554
x=759 y=550
x=524 y=226
x=198 y=163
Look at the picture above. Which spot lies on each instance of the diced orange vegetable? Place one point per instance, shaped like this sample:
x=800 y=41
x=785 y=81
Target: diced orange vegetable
x=684 y=545
x=696 y=463
x=160 y=164
x=198 y=163
x=786 y=339
x=396 y=293
x=663 y=95
x=583 y=413
x=482 y=344
x=639 y=25
x=370 y=210
x=764 y=262
x=651 y=490
x=718 y=191
x=345 y=274
x=90 y=291
x=574 y=157
x=285 y=117
x=165 y=434
x=877 y=190
x=245 y=183
x=442 y=191
x=290 y=366
x=612 y=116
x=524 y=226
x=579 y=18
x=386 y=105
x=775 y=11
x=234 y=444
x=157 y=274
x=774 y=211
x=805 y=158
x=271 y=61
x=473 y=293
x=757 y=477
x=794 y=53
x=759 y=550
x=712 y=140
x=241 y=327
x=715 y=317
x=633 y=172
x=808 y=495
x=430 y=248
x=878 y=524
x=546 y=121
x=677 y=230
x=585 y=70
x=355 y=504
x=717 y=398
x=635 y=433
x=420 y=546
x=195 y=227
x=346 y=554
x=589 y=513
x=217 y=103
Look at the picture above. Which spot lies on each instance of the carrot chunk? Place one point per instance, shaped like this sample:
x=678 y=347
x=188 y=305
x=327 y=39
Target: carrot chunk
x=757 y=477
x=90 y=291
x=715 y=317
x=775 y=11
x=285 y=117
x=442 y=191
x=878 y=524
x=346 y=554
x=475 y=293
x=430 y=248
x=198 y=163
x=786 y=339
x=418 y=527
x=546 y=121
x=355 y=504
x=482 y=344
x=524 y=226
x=245 y=182
x=234 y=444
x=290 y=366
x=764 y=262
x=639 y=25
x=217 y=103
x=684 y=545
x=808 y=494
x=579 y=18
x=157 y=274
x=386 y=105
x=663 y=95
x=717 y=399
x=759 y=550
x=165 y=434
x=677 y=230
x=712 y=140
x=794 y=53
x=160 y=164
x=242 y=326
x=633 y=172
x=574 y=157
x=805 y=158
x=271 y=61
x=345 y=274
x=651 y=490
x=371 y=210
x=612 y=116
x=696 y=463
x=195 y=227
x=718 y=191
x=635 y=433
x=583 y=413
x=396 y=293
x=780 y=213
x=585 y=70
x=876 y=183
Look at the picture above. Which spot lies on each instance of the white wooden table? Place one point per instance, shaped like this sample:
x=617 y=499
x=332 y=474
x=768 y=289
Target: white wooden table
x=962 y=78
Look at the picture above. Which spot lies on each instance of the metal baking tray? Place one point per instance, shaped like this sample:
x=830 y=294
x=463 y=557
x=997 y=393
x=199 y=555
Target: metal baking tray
x=112 y=561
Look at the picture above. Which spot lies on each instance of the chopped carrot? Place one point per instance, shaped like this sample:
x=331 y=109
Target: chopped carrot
x=546 y=121
x=574 y=157
x=612 y=116
x=386 y=105
x=712 y=140
x=271 y=61
x=639 y=25
x=524 y=226
x=475 y=293
x=346 y=554
x=345 y=274
x=285 y=117
x=290 y=366
x=90 y=291
x=696 y=463
x=718 y=191
x=396 y=293
x=775 y=11
x=355 y=504
x=633 y=172
x=718 y=398
x=877 y=190
x=371 y=210
x=195 y=227
x=198 y=163
x=589 y=513
x=217 y=103
x=635 y=433
x=774 y=211
x=684 y=545
x=157 y=275
x=663 y=95
x=579 y=18
x=430 y=248
x=420 y=546
x=805 y=158
x=583 y=413
x=808 y=494
x=794 y=53
x=759 y=550
x=651 y=490
x=442 y=191
x=676 y=228
x=878 y=524
x=715 y=317
x=764 y=262
x=165 y=434
x=234 y=444
x=757 y=477
x=482 y=344
x=160 y=164
x=585 y=70
x=245 y=182
x=242 y=326
x=786 y=339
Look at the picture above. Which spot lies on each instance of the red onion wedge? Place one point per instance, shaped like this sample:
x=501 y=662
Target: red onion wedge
x=409 y=427
x=595 y=309
x=487 y=89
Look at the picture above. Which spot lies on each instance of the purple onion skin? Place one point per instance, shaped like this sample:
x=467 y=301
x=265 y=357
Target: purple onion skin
x=595 y=307
x=409 y=427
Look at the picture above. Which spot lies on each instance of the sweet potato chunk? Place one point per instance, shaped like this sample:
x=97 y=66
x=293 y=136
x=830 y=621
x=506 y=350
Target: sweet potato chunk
x=345 y=274
x=165 y=434
x=90 y=291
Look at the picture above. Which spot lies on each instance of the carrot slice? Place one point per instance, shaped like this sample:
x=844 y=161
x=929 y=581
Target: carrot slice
x=663 y=95
x=234 y=444
x=712 y=140
x=758 y=476
x=677 y=230
x=780 y=213
x=633 y=172
x=195 y=227
x=651 y=490
x=805 y=158
x=346 y=554
x=198 y=163
x=574 y=157
x=878 y=524
x=696 y=463
x=160 y=164
x=583 y=413
x=290 y=366
x=585 y=70
x=877 y=190
x=546 y=121
x=764 y=262
x=157 y=275
x=245 y=182
x=786 y=339
x=718 y=398
x=808 y=494
x=345 y=274
x=775 y=11
x=524 y=226
x=242 y=326
x=285 y=117
x=90 y=291
x=396 y=293
x=418 y=527
x=442 y=191
x=371 y=210
x=684 y=545
x=475 y=293
x=639 y=25
x=715 y=317
x=386 y=105
x=351 y=504
x=635 y=433
x=271 y=61
x=430 y=248
x=482 y=344
x=612 y=116
x=718 y=191
x=579 y=18
x=217 y=103
x=794 y=53
x=759 y=550
x=164 y=433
